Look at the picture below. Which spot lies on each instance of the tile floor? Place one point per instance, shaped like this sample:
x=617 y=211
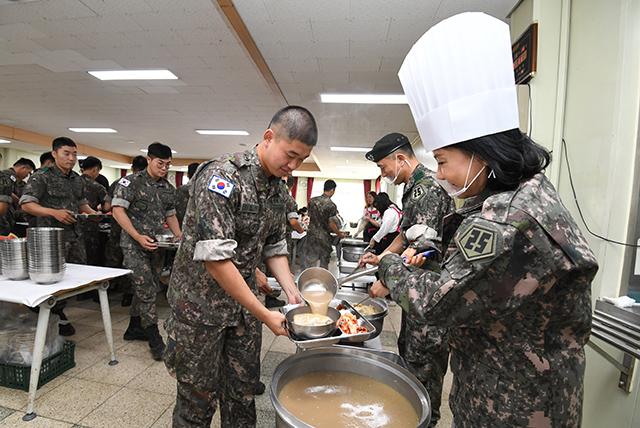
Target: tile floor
x=137 y=392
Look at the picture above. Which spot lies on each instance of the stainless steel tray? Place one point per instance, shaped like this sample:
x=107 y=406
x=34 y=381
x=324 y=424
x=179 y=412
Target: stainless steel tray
x=338 y=336
x=168 y=244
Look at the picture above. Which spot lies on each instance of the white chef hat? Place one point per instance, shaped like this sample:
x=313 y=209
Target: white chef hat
x=459 y=82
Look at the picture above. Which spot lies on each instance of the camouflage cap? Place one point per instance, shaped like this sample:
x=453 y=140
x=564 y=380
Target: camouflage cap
x=387 y=145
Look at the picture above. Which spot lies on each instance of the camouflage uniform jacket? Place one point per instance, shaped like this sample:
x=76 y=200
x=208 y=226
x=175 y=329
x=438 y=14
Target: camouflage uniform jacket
x=515 y=292
x=51 y=188
x=322 y=211
x=148 y=203
x=7 y=187
x=182 y=197
x=96 y=195
x=236 y=212
x=424 y=201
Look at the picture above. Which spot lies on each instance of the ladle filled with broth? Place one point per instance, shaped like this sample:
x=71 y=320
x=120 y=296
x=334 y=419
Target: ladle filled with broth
x=317 y=287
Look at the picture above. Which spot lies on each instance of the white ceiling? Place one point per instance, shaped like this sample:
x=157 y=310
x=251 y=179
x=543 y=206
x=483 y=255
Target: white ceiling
x=311 y=46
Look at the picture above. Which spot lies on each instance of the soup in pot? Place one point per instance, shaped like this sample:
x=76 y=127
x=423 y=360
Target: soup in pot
x=340 y=399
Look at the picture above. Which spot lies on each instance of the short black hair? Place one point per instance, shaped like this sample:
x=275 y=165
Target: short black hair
x=101 y=179
x=139 y=163
x=407 y=149
x=159 y=150
x=46 y=156
x=296 y=123
x=303 y=210
x=329 y=185
x=26 y=162
x=61 y=142
x=382 y=202
x=511 y=155
x=90 y=162
x=192 y=168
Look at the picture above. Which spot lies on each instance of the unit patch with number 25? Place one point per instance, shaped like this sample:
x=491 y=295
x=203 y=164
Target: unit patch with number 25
x=477 y=242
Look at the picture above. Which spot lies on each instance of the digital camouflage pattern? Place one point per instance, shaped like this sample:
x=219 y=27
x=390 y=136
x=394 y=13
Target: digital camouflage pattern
x=51 y=188
x=146 y=267
x=291 y=209
x=8 y=182
x=96 y=195
x=424 y=347
x=148 y=202
x=182 y=197
x=236 y=212
x=113 y=251
x=515 y=294
x=319 y=241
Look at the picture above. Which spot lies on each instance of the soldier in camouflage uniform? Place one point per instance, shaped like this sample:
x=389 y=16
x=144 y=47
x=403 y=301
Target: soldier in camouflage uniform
x=51 y=197
x=182 y=194
x=235 y=219
x=322 y=221
x=113 y=251
x=514 y=288
x=424 y=347
x=97 y=198
x=142 y=202
x=6 y=201
x=16 y=174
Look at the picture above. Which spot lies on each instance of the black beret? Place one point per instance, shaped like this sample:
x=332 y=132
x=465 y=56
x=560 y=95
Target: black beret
x=387 y=145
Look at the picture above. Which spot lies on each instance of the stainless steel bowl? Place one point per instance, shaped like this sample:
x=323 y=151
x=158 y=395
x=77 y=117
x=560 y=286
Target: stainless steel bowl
x=376 y=319
x=316 y=276
x=349 y=360
x=311 y=332
x=352 y=254
x=47 y=278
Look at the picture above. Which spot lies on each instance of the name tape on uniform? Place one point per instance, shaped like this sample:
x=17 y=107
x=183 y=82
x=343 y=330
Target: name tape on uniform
x=124 y=182
x=221 y=186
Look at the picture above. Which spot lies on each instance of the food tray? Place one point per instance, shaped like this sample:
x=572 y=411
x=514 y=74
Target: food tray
x=338 y=336
x=168 y=244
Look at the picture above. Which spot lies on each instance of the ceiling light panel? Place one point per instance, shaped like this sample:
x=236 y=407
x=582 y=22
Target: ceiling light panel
x=220 y=132
x=350 y=149
x=94 y=130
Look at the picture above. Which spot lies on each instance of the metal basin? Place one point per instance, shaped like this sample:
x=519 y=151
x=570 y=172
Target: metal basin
x=376 y=319
x=164 y=239
x=343 y=359
x=311 y=331
x=352 y=254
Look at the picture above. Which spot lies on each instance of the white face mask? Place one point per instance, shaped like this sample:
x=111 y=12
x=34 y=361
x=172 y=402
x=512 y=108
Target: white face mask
x=455 y=191
x=392 y=181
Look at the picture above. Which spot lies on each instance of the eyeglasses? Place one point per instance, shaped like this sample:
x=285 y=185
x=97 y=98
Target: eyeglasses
x=163 y=165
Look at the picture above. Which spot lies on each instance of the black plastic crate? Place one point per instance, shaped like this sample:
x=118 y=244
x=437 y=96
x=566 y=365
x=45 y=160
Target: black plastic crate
x=18 y=377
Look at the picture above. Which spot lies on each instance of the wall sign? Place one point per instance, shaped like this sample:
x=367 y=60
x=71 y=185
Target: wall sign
x=525 y=53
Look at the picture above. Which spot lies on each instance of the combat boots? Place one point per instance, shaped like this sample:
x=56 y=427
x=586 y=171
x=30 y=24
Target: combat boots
x=135 y=330
x=156 y=344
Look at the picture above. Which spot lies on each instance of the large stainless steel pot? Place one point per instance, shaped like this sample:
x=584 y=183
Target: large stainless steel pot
x=352 y=254
x=376 y=319
x=351 y=361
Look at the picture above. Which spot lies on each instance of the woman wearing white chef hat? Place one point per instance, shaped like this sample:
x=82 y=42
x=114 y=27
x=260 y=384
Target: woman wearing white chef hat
x=514 y=289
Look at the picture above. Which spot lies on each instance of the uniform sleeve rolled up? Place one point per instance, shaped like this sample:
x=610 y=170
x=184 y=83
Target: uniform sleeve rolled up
x=213 y=250
x=276 y=249
x=119 y=202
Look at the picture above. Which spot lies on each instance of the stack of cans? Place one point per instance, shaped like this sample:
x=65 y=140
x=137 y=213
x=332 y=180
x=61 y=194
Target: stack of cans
x=13 y=253
x=46 y=254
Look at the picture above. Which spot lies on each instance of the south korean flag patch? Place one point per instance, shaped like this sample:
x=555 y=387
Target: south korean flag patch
x=124 y=182
x=221 y=186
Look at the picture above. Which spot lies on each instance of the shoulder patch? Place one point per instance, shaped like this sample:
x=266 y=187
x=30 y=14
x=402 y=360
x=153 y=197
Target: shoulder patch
x=13 y=178
x=124 y=182
x=220 y=185
x=477 y=242
x=418 y=192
